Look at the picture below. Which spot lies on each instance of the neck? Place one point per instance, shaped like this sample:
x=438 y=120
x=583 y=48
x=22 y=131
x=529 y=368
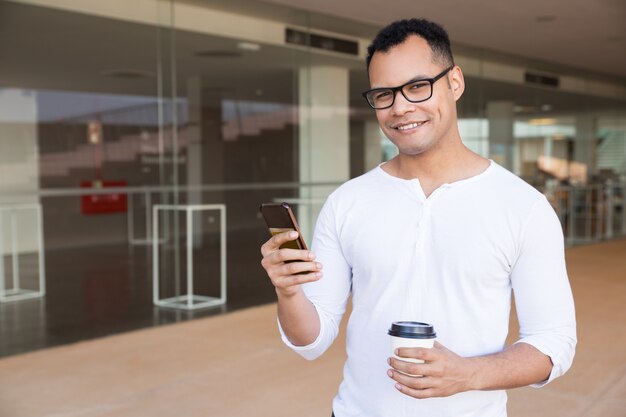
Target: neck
x=448 y=163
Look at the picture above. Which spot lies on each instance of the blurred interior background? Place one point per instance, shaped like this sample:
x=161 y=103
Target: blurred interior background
x=138 y=139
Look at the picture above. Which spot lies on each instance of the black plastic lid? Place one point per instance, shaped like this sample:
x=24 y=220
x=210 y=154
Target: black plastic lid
x=412 y=330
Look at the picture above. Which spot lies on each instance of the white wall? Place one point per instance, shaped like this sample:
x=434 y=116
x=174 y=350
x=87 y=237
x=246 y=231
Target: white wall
x=19 y=164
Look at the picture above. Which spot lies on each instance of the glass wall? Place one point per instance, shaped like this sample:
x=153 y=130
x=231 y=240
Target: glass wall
x=108 y=109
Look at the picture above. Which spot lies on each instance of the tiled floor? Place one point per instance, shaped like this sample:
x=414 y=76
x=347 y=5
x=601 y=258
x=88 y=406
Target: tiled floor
x=104 y=290
x=235 y=365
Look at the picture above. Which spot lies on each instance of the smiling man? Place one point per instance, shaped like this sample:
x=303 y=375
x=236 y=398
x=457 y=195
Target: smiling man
x=438 y=234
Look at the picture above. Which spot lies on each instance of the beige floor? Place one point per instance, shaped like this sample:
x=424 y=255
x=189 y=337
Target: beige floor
x=235 y=365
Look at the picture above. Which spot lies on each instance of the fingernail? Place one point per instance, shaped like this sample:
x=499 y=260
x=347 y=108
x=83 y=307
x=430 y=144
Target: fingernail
x=389 y=361
x=318 y=265
x=396 y=352
x=293 y=235
x=390 y=374
x=399 y=387
x=311 y=255
x=318 y=274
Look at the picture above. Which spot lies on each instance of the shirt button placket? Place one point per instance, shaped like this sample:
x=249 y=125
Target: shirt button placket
x=420 y=278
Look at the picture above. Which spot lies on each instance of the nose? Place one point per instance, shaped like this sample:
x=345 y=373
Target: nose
x=400 y=104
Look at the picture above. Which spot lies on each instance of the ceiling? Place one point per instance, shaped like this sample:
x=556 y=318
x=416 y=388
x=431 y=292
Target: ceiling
x=79 y=53
x=584 y=34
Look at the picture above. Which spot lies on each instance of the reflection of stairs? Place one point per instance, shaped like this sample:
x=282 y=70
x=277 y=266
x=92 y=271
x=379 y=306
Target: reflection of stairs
x=612 y=151
x=120 y=148
x=250 y=118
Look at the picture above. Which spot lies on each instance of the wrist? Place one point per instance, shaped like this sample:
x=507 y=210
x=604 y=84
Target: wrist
x=473 y=375
x=287 y=293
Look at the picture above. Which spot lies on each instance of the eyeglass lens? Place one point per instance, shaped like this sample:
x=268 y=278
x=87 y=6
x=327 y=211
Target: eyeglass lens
x=416 y=91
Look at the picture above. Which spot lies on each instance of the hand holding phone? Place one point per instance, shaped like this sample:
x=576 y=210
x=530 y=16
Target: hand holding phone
x=287 y=269
x=279 y=219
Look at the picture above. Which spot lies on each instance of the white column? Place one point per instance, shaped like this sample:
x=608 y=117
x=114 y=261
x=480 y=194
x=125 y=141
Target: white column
x=324 y=141
x=502 y=149
x=373 y=145
x=586 y=142
x=19 y=162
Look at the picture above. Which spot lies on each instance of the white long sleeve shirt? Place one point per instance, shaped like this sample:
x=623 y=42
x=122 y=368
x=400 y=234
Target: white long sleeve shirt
x=452 y=260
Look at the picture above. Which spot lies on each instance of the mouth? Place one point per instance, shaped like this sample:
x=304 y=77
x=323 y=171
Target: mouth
x=408 y=126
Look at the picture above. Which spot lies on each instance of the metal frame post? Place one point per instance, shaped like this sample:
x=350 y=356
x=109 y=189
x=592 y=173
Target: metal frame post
x=17 y=292
x=188 y=301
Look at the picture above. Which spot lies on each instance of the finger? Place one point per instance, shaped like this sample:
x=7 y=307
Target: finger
x=425 y=354
x=292 y=280
x=286 y=255
x=414 y=382
x=409 y=367
x=275 y=259
x=278 y=239
x=293 y=268
x=417 y=393
x=284 y=237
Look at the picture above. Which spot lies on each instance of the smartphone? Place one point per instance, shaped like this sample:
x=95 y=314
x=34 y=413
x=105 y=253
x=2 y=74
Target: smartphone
x=279 y=218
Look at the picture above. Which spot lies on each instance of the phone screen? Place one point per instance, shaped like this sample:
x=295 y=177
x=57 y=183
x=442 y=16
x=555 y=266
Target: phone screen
x=279 y=219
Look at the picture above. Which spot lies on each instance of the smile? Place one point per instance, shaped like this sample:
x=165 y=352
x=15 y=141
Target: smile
x=410 y=125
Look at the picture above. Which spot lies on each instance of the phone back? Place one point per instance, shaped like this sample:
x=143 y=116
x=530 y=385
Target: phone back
x=279 y=218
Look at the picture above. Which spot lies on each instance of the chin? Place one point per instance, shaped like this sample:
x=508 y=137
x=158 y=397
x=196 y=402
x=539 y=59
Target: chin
x=413 y=149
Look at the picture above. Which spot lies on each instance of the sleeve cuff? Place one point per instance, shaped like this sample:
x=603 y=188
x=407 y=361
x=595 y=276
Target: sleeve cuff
x=555 y=371
x=310 y=351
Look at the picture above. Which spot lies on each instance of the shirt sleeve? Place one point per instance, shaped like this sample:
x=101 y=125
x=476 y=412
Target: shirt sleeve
x=329 y=294
x=543 y=297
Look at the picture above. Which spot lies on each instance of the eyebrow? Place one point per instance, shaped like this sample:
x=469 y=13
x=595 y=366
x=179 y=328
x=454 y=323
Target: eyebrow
x=416 y=78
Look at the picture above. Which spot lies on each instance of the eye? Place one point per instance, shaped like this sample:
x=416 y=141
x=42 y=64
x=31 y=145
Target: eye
x=381 y=95
x=417 y=85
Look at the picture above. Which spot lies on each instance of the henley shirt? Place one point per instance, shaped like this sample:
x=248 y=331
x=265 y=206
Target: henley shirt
x=451 y=260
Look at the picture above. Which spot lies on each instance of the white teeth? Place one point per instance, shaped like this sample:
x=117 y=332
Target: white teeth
x=410 y=126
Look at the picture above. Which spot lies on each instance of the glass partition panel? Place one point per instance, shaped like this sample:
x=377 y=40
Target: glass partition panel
x=83 y=109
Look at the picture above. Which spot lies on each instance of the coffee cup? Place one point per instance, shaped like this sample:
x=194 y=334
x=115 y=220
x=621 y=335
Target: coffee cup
x=411 y=334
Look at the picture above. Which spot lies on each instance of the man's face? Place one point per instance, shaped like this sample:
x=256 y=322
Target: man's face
x=415 y=127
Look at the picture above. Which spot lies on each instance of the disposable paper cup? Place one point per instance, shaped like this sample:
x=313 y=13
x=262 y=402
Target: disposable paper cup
x=409 y=334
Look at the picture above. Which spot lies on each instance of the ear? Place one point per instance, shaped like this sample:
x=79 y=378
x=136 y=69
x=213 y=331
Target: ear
x=457 y=82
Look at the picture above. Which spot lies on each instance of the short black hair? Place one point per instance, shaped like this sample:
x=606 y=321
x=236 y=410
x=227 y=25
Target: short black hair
x=398 y=31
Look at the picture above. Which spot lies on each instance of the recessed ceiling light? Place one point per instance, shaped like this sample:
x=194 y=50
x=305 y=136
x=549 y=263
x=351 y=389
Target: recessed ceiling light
x=524 y=109
x=546 y=107
x=547 y=18
x=248 y=46
x=542 y=122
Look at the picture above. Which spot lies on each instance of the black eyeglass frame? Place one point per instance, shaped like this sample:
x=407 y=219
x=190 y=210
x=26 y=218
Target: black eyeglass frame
x=400 y=88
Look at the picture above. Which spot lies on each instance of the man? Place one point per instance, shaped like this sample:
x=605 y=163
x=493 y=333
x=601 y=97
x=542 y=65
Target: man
x=438 y=235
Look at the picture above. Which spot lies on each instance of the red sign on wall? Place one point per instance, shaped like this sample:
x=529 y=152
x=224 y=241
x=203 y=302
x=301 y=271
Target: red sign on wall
x=103 y=203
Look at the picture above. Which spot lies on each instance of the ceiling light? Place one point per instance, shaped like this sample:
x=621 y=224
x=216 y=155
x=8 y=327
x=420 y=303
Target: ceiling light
x=248 y=46
x=546 y=107
x=524 y=109
x=542 y=122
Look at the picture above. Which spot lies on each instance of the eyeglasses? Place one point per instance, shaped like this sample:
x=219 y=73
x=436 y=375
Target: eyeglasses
x=414 y=91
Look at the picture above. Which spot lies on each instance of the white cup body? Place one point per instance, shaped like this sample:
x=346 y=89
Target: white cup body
x=405 y=342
